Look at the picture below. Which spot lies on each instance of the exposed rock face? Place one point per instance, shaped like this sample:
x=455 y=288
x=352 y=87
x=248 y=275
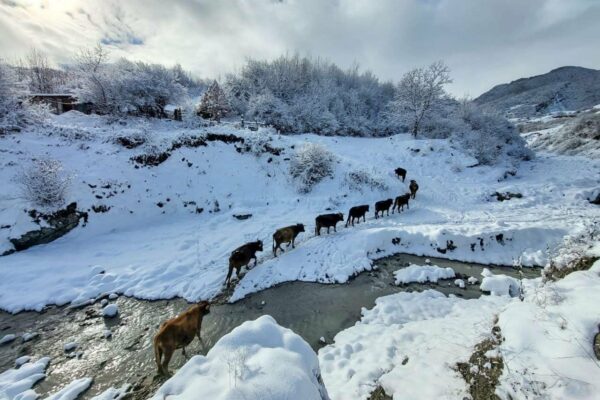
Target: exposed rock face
x=562 y=89
x=60 y=223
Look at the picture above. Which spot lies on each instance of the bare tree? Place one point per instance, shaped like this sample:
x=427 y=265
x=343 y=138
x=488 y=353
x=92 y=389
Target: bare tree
x=90 y=64
x=41 y=75
x=419 y=90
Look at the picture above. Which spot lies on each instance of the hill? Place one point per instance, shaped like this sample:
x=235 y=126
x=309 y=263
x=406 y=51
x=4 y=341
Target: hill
x=562 y=89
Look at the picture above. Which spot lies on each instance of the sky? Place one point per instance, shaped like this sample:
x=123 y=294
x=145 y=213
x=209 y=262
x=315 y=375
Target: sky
x=484 y=42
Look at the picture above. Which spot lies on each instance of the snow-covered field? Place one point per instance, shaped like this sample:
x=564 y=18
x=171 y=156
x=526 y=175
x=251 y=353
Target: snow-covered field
x=154 y=243
x=410 y=343
x=149 y=251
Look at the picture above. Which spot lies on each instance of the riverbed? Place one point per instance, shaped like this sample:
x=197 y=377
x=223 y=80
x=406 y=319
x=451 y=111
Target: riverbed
x=312 y=310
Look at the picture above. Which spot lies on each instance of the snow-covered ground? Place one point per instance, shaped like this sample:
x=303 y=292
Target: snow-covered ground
x=257 y=360
x=422 y=273
x=410 y=343
x=141 y=249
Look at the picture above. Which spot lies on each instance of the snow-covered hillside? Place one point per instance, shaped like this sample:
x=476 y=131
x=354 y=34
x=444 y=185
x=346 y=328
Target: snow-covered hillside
x=565 y=133
x=562 y=89
x=170 y=228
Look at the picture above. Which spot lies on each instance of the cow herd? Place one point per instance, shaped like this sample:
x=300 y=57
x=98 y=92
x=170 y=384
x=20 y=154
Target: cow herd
x=243 y=255
x=178 y=332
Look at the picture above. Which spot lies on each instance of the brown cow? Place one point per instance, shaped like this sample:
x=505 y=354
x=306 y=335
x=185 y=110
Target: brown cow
x=400 y=202
x=241 y=257
x=177 y=333
x=413 y=188
x=383 y=206
x=286 y=235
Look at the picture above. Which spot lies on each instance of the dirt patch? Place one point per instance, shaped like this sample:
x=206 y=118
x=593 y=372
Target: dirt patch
x=554 y=273
x=482 y=371
x=379 y=394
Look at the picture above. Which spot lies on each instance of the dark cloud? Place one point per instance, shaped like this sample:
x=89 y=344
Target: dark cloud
x=484 y=42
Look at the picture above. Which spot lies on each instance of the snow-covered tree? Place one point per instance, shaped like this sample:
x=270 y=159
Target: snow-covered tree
x=310 y=165
x=45 y=183
x=267 y=108
x=298 y=94
x=126 y=87
x=42 y=78
x=9 y=91
x=418 y=93
x=214 y=103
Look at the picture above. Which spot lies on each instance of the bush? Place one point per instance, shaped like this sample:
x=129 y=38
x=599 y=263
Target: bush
x=45 y=183
x=310 y=165
x=358 y=179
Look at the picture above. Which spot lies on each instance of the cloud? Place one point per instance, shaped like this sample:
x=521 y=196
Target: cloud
x=484 y=42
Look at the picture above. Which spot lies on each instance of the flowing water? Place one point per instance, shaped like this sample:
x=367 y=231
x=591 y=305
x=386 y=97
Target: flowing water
x=312 y=310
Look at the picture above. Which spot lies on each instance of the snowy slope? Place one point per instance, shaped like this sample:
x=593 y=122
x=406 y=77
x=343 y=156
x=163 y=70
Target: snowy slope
x=143 y=250
x=566 y=88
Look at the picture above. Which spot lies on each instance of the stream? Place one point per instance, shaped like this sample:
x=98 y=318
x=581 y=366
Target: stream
x=312 y=310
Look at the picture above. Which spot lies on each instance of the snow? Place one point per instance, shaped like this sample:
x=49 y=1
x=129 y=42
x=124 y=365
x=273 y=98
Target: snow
x=113 y=296
x=113 y=393
x=26 y=337
x=72 y=390
x=70 y=346
x=422 y=273
x=139 y=249
x=18 y=382
x=22 y=360
x=460 y=283
x=547 y=339
x=408 y=344
x=110 y=311
x=500 y=285
x=472 y=280
x=7 y=338
x=258 y=359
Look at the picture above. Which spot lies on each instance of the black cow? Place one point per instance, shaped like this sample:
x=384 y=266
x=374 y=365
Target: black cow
x=400 y=173
x=356 y=213
x=327 y=221
x=241 y=257
x=383 y=206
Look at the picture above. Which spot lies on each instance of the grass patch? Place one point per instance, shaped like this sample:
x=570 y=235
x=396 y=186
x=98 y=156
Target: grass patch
x=482 y=373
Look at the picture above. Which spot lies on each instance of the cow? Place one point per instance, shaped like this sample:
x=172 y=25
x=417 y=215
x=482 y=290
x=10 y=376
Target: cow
x=286 y=235
x=400 y=173
x=413 y=188
x=400 y=202
x=327 y=221
x=241 y=257
x=356 y=213
x=383 y=206
x=177 y=333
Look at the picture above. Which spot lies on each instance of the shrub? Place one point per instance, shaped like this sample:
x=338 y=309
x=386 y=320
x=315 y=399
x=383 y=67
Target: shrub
x=310 y=165
x=45 y=183
x=358 y=179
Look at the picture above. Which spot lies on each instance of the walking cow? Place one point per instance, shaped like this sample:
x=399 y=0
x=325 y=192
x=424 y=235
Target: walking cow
x=413 y=188
x=286 y=235
x=400 y=173
x=357 y=212
x=383 y=206
x=241 y=257
x=327 y=221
